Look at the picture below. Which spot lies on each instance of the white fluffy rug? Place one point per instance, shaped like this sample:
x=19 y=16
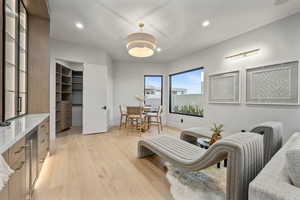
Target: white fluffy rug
x=208 y=184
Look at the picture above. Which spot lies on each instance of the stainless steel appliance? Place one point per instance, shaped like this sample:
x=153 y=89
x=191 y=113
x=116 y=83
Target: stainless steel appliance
x=31 y=161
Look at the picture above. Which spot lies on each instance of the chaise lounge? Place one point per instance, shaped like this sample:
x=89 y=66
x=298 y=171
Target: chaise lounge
x=272 y=132
x=243 y=150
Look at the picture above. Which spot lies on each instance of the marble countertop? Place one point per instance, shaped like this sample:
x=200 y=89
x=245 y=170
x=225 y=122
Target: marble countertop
x=19 y=128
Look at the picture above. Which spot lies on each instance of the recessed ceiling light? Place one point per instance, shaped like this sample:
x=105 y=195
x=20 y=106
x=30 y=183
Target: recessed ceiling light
x=79 y=25
x=206 y=23
x=158 y=49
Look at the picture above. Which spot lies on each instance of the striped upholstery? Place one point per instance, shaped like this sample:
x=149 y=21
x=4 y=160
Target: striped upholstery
x=243 y=150
x=176 y=149
x=273 y=182
x=272 y=132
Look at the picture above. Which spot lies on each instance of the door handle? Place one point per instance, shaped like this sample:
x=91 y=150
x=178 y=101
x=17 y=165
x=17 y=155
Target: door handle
x=20 y=104
x=104 y=107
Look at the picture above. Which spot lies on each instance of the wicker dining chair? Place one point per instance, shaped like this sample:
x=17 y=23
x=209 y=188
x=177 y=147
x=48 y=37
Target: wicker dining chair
x=123 y=112
x=155 y=119
x=135 y=116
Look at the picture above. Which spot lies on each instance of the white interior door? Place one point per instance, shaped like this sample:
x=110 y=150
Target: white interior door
x=94 y=99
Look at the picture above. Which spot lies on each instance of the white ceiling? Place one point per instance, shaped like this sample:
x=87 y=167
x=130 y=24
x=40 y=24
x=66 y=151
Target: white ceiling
x=175 y=23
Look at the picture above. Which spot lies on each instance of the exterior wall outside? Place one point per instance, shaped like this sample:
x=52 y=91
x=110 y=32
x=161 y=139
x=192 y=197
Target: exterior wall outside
x=188 y=99
x=77 y=116
x=153 y=101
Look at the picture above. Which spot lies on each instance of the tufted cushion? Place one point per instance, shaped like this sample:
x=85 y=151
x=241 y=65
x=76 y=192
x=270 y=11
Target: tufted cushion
x=293 y=161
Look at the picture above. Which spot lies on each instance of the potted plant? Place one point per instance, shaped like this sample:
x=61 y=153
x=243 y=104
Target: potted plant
x=217 y=130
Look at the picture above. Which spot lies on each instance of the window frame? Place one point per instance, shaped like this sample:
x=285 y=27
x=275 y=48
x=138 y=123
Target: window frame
x=170 y=92
x=17 y=70
x=162 y=88
x=21 y=3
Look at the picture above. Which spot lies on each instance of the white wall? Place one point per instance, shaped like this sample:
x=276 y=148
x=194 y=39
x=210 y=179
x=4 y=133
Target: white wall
x=74 y=53
x=77 y=116
x=279 y=42
x=110 y=91
x=77 y=110
x=129 y=81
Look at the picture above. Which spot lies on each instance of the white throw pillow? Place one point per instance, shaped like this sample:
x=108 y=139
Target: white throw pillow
x=293 y=161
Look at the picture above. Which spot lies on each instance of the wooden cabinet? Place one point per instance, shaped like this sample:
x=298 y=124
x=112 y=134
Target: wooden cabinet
x=17 y=158
x=4 y=192
x=25 y=84
x=17 y=183
x=16 y=187
x=16 y=154
x=63 y=97
x=43 y=142
x=66 y=114
x=38 y=58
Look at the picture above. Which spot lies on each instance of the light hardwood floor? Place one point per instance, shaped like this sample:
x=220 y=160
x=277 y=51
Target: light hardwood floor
x=102 y=167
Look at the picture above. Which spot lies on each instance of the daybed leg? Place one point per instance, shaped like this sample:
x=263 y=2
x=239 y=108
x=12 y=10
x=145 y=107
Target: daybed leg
x=144 y=151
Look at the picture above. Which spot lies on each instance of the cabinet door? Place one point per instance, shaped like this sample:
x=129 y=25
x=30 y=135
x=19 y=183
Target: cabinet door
x=17 y=183
x=66 y=114
x=22 y=97
x=15 y=55
x=11 y=61
x=4 y=192
x=43 y=142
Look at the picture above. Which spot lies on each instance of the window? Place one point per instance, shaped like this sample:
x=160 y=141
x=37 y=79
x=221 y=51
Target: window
x=153 y=85
x=186 y=92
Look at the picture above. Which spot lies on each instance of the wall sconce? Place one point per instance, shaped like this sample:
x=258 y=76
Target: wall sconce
x=243 y=54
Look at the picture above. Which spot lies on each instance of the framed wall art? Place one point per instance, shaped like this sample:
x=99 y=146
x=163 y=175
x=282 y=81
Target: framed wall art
x=276 y=84
x=225 y=87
